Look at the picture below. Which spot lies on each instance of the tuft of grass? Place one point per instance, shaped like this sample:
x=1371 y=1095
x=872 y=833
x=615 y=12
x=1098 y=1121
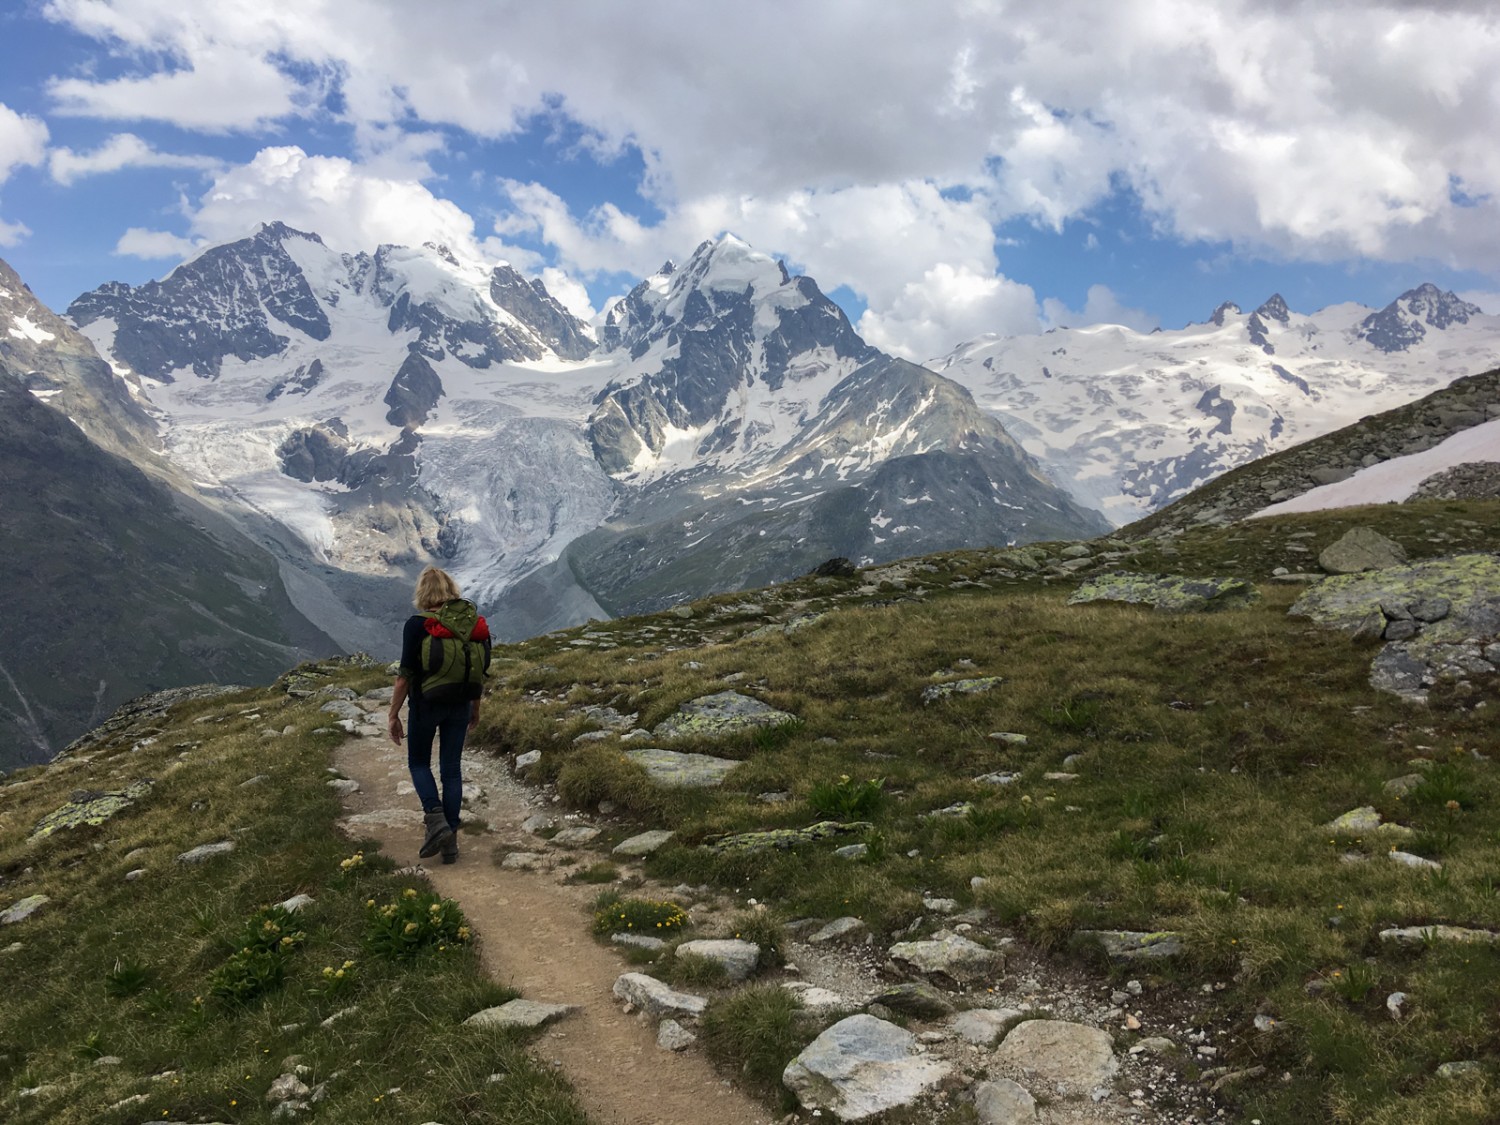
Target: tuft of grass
x=602 y=872
x=614 y=915
x=754 y=1032
x=847 y=799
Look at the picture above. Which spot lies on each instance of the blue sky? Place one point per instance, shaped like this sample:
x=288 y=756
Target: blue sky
x=943 y=170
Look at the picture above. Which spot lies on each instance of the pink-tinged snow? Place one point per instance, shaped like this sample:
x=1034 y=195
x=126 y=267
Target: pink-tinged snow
x=1392 y=481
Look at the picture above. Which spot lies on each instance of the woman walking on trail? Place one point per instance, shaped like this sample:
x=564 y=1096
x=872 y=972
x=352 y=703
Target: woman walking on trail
x=445 y=653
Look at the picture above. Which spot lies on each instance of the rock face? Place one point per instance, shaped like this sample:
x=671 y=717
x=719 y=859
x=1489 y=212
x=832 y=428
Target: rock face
x=954 y=957
x=1361 y=548
x=1172 y=594
x=672 y=770
x=860 y=1067
x=725 y=712
x=1071 y=1059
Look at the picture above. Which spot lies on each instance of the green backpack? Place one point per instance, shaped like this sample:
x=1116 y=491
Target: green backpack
x=455 y=657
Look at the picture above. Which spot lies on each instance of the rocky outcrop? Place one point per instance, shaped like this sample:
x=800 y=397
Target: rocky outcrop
x=1169 y=594
x=723 y=713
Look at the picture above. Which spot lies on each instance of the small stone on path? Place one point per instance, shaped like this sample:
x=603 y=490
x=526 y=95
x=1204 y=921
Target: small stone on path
x=672 y=1036
x=523 y=861
x=649 y=995
x=520 y=1013
x=1003 y=1102
x=576 y=836
x=954 y=957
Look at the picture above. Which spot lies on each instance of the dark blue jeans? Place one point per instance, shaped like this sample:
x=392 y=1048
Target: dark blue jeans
x=449 y=723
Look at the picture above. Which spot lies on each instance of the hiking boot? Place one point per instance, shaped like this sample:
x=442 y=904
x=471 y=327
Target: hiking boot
x=438 y=832
x=450 y=849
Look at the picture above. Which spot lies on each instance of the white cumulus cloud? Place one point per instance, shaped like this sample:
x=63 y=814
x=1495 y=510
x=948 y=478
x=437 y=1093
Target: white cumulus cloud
x=1101 y=306
x=123 y=150
x=23 y=143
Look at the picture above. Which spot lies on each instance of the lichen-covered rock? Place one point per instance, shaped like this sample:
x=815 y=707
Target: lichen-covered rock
x=840 y=929
x=92 y=808
x=673 y=770
x=954 y=957
x=725 y=712
x=1131 y=946
x=974 y=686
x=860 y=1067
x=1454 y=601
x=1359 y=549
x=786 y=838
x=1071 y=1059
x=1167 y=593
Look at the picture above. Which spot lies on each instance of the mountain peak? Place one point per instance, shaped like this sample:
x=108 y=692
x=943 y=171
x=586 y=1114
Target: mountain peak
x=1406 y=319
x=1274 y=308
x=1223 y=311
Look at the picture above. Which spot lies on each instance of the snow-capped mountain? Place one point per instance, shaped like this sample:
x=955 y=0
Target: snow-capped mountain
x=392 y=408
x=1129 y=422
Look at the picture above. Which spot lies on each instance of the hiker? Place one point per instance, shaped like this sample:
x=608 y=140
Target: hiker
x=445 y=654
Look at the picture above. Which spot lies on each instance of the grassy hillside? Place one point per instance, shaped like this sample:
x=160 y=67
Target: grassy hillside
x=132 y=999
x=1200 y=757
x=1208 y=750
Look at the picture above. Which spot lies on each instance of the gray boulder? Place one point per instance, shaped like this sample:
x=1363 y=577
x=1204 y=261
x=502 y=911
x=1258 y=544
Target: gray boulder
x=205 y=852
x=725 y=712
x=840 y=929
x=738 y=958
x=1003 y=1102
x=956 y=958
x=672 y=1036
x=642 y=844
x=22 y=910
x=1167 y=594
x=1071 y=1059
x=649 y=995
x=915 y=999
x=861 y=1067
x=576 y=836
x=984 y=1026
x=1359 y=549
x=672 y=770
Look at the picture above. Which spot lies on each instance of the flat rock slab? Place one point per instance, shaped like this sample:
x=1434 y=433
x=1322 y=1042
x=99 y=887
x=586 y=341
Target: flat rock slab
x=382 y=818
x=576 y=836
x=860 y=1067
x=1421 y=935
x=1167 y=593
x=1361 y=548
x=523 y=861
x=672 y=1036
x=520 y=1013
x=643 y=844
x=724 y=712
x=344 y=786
x=639 y=941
x=984 y=1026
x=975 y=686
x=916 y=999
x=738 y=958
x=1133 y=947
x=786 y=838
x=90 y=808
x=649 y=995
x=673 y=770
x=24 y=909
x=205 y=852
x=1071 y=1059
x=954 y=957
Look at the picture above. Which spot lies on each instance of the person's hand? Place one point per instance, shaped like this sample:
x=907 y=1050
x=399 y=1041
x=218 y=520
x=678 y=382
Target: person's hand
x=394 y=728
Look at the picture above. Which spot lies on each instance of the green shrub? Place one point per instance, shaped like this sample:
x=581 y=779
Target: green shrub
x=126 y=979
x=258 y=964
x=847 y=799
x=413 y=922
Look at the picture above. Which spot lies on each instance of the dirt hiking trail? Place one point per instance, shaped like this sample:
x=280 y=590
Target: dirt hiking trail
x=534 y=937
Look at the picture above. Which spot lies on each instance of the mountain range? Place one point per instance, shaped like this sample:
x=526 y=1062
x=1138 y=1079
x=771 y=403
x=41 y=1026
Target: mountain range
x=331 y=422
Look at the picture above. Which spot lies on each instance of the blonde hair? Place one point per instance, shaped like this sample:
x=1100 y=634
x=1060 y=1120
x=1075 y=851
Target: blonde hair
x=434 y=588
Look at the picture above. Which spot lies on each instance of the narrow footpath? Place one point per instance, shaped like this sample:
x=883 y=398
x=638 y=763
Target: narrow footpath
x=534 y=937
